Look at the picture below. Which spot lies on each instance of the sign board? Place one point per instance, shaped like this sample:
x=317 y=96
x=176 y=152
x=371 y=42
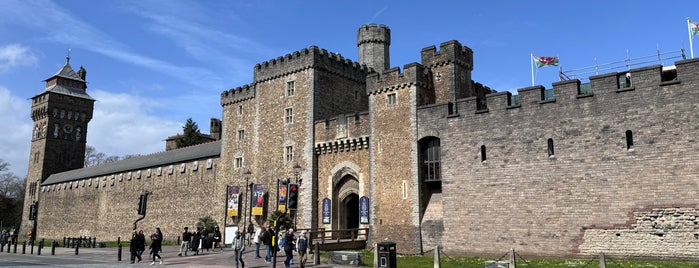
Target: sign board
x=233 y=198
x=326 y=211
x=282 y=190
x=364 y=210
x=258 y=199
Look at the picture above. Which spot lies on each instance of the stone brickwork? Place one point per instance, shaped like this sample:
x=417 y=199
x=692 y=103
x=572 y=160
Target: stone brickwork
x=663 y=232
x=521 y=197
x=106 y=206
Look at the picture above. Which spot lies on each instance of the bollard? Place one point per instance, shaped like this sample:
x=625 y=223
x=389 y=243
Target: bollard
x=15 y=250
x=77 y=246
x=41 y=245
x=316 y=254
x=24 y=246
x=94 y=242
x=53 y=247
x=119 y=253
x=437 y=258
x=31 y=247
x=64 y=242
x=2 y=247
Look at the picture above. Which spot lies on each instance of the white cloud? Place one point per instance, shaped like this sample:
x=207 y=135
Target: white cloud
x=14 y=115
x=125 y=124
x=15 y=55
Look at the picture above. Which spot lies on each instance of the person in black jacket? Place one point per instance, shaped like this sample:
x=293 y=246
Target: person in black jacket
x=156 y=245
x=186 y=237
x=267 y=240
x=134 y=246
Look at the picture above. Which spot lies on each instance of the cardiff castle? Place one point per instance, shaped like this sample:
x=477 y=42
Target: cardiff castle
x=422 y=156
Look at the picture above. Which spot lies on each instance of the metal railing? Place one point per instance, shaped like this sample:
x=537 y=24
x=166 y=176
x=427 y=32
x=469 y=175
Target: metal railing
x=625 y=64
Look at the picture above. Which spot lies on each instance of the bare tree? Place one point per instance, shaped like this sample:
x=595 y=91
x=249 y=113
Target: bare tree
x=94 y=158
x=11 y=196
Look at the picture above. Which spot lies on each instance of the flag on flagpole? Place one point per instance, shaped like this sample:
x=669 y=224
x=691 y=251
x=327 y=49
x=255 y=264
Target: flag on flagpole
x=542 y=61
x=694 y=27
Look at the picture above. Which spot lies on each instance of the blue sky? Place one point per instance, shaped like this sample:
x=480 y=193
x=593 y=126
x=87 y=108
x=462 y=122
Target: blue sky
x=153 y=64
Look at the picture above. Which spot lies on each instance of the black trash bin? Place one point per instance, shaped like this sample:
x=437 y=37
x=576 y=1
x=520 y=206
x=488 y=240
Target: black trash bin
x=387 y=254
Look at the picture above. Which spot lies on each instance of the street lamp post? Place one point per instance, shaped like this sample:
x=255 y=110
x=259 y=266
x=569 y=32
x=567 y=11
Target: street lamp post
x=247 y=176
x=297 y=173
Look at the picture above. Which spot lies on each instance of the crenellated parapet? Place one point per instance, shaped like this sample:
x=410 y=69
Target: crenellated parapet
x=372 y=33
x=344 y=145
x=238 y=94
x=393 y=79
x=640 y=84
x=308 y=58
x=449 y=52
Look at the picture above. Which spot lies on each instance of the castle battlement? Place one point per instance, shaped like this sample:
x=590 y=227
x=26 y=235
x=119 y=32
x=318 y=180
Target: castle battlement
x=237 y=94
x=393 y=79
x=645 y=83
x=450 y=51
x=373 y=33
x=307 y=58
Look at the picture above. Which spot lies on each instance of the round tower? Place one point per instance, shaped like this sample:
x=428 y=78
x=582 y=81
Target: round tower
x=373 y=42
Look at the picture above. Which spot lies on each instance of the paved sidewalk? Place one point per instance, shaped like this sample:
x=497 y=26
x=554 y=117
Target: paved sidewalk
x=107 y=257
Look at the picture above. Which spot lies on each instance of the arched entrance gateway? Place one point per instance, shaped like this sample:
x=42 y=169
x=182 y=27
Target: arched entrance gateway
x=346 y=202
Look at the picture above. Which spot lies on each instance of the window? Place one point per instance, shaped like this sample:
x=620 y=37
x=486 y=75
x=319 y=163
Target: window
x=430 y=159
x=356 y=95
x=289 y=115
x=391 y=99
x=241 y=134
x=289 y=153
x=290 y=88
x=240 y=109
x=238 y=162
x=629 y=140
x=483 y=157
x=550 y=148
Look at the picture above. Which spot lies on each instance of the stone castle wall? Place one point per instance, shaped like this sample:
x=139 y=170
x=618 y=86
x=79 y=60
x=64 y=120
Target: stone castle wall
x=521 y=197
x=106 y=206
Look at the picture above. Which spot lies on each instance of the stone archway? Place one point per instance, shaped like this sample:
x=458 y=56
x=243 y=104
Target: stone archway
x=346 y=202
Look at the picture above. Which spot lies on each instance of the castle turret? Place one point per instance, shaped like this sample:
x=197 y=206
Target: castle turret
x=373 y=42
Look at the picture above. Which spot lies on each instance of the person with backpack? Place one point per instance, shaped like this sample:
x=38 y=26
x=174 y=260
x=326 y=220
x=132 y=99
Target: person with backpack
x=302 y=249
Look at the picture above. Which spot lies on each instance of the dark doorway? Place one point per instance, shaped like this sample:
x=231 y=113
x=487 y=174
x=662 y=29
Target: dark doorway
x=350 y=207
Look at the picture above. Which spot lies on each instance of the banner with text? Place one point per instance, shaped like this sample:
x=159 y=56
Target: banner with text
x=281 y=201
x=258 y=199
x=233 y=197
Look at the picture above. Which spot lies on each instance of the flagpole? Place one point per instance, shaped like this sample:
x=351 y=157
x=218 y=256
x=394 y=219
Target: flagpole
x=531 y=60
x=689 y=30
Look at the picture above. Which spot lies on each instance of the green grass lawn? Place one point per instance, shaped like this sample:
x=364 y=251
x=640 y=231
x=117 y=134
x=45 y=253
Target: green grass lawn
x=475 y=262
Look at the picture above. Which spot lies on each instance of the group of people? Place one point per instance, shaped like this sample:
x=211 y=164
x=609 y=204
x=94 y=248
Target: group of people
x=138 y=246
x=196 y=242
x=8 y=236
x=286 y=241
x=199 y=241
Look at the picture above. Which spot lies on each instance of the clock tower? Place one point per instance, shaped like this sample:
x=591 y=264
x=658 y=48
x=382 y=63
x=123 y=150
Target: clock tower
x=60 y=114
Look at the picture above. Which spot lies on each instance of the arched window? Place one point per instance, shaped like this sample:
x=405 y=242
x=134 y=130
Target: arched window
x=550 y=148
x=483 y=156
x=629 y=140
x=430 y=160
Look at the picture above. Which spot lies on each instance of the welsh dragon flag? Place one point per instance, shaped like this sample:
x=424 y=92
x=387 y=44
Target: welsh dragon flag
x=694 y=27
x=542 y=61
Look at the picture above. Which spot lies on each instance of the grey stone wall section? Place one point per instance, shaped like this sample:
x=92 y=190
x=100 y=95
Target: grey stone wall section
x=521 y=198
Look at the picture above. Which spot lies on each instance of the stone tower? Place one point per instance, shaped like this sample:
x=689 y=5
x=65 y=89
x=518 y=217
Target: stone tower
x=373 y=42
x=60 y=114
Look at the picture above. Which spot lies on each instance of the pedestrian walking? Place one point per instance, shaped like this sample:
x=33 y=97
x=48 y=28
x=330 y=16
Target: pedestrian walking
x=302 y=249
x=267 y=240
x=289 y=246
x=156 y=245
x=239 y=247
x=133 y=247
x=259 y=234
x=186 y=238
x=217 y=239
